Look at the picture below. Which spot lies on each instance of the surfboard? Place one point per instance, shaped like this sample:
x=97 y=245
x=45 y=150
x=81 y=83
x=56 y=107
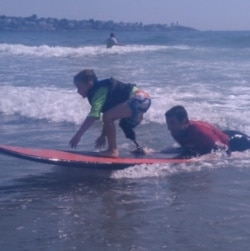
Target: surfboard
x=84 y=159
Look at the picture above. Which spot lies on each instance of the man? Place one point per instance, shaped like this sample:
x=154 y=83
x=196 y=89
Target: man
x=198 y=137
x=111 y=41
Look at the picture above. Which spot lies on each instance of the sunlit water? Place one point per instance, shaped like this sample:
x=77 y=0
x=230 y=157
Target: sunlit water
x=194 y=206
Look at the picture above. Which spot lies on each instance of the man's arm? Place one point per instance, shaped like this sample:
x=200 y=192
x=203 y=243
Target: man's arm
x=205 y=140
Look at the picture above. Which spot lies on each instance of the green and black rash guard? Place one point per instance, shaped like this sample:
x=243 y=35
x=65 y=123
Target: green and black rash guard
x=106 y=94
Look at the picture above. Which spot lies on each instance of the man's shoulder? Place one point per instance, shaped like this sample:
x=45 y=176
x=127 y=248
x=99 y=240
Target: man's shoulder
x=197 y=126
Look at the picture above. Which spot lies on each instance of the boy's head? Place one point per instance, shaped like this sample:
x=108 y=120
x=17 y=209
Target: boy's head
x=85 y=76
x=84 y=80
x=177 y=119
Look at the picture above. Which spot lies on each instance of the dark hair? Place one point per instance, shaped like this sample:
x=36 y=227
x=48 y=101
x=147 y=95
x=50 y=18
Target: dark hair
x=85 y=75
x=178 y=111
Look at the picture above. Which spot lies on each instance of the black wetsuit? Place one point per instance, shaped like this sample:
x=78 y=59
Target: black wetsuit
x=118 y=92
x=238 y=141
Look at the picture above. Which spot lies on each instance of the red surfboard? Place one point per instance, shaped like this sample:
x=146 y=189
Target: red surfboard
x=83 y=159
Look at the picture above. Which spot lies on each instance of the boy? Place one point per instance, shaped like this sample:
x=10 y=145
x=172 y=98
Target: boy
x=116 y=100
x=198 y=137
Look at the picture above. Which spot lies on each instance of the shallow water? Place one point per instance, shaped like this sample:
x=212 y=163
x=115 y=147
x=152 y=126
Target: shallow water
x=192 y=206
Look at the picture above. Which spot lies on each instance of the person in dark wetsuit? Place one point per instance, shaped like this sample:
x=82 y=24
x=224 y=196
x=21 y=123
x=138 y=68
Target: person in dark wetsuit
x=198 y=137
x=111 y=41
x=115 y=100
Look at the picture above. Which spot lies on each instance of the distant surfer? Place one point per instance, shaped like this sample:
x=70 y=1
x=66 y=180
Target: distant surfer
x=116 y=100
x=199 y=137
x=111 y=41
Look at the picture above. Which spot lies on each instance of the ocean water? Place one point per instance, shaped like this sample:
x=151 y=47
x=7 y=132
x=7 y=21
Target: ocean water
x=194 y=206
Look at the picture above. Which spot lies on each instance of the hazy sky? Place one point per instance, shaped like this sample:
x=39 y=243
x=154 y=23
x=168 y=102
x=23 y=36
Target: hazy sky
x=200 y=14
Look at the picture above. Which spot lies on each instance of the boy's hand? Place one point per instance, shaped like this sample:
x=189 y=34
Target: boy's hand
x=75 y=140
x=100 y=142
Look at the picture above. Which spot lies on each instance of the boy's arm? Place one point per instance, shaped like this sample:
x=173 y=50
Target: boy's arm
x=84 y=127
x=100 y=141
x=97 y=103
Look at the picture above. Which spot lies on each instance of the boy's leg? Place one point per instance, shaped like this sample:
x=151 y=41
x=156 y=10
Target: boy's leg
x=118 y=112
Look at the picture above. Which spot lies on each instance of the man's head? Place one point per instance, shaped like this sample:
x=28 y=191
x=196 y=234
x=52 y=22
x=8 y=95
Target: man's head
x=177 y=120
x=84 y=80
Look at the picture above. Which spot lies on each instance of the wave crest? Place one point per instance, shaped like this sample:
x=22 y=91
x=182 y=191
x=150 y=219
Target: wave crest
x=63 y=51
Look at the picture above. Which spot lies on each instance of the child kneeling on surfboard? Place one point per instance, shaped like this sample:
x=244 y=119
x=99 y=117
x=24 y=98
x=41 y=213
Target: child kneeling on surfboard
x=116 y=100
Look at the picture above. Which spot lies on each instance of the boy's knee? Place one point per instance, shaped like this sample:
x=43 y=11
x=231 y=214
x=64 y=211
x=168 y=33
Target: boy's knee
x=107 y=118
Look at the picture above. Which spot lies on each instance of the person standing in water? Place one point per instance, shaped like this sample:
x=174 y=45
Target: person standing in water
x=111 y=41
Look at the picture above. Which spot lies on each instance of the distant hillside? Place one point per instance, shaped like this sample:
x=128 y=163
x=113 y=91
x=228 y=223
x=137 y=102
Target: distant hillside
x=33 y=23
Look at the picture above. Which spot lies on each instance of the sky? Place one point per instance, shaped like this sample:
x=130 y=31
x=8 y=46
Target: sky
x=199 y=14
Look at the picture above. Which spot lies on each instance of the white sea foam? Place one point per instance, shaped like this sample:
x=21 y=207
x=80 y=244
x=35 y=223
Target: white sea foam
x=98 y=50
x=64 y=105
x=207 y=162
x=53 y=104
